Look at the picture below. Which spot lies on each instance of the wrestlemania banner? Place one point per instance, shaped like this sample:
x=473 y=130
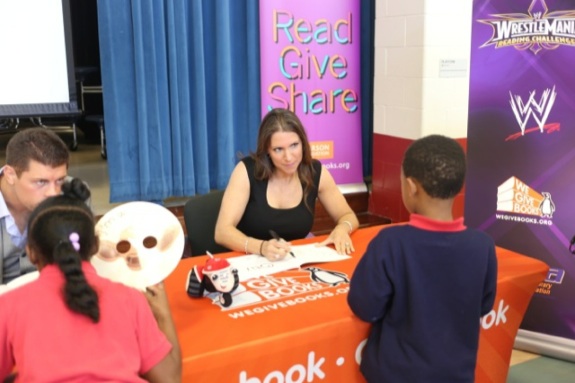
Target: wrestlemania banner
x=521 y=148
x=310 y=64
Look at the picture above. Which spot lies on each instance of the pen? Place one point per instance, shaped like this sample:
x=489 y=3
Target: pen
x=278 y=238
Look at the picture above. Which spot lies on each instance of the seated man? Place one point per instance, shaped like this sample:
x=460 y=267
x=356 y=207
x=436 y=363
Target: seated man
x=36 y=167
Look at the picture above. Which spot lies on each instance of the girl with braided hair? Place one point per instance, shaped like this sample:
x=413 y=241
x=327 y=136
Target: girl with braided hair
x=72 y=325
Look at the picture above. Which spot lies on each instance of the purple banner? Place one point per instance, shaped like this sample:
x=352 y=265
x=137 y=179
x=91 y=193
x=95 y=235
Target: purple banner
x=310 y=64
x=521 y=144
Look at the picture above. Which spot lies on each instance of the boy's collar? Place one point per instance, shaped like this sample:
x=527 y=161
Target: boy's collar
x=426 y=223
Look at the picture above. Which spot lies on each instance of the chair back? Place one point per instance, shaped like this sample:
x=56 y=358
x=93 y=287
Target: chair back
x=200 y=216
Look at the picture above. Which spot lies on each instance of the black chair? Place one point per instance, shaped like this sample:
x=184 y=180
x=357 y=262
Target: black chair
x=200 y=216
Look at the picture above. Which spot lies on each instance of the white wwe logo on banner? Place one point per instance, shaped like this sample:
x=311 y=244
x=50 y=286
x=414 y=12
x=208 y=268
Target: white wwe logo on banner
x=540 y=110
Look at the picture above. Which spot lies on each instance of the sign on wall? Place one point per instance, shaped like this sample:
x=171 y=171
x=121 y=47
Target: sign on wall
x=310 y=64
x=521 y=147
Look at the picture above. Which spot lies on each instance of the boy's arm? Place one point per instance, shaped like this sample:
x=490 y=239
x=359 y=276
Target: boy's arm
x=490 y=285
x=369 y=289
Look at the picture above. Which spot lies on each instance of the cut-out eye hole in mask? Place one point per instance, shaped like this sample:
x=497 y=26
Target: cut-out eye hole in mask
x=110 y=252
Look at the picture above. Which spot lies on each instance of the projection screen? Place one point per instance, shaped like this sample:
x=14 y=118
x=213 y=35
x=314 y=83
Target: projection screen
x=36 y=59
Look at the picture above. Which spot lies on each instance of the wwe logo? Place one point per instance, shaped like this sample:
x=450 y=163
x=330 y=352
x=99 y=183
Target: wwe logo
x=540 y=110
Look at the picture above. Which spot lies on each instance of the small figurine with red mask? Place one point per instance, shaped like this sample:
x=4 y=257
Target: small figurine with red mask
x=217 y=275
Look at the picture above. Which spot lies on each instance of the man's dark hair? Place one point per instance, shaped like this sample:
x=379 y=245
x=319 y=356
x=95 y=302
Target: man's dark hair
x=438 y=164
x=39 y=144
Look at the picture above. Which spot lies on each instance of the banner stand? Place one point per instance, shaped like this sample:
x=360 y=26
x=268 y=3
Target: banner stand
x=310 y=60
x=550 y=345
x=521 y=160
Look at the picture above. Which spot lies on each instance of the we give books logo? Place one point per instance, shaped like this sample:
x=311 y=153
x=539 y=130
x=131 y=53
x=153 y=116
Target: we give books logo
x=514 y=196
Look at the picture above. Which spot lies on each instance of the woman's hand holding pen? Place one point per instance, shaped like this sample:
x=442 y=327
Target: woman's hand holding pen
x=341 y=240
x=275 y=250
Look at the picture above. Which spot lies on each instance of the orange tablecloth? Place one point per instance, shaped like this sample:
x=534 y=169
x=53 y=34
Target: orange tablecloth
x=298 y=329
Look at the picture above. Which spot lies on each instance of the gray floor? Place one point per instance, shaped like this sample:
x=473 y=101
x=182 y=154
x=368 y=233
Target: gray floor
x=542 y=370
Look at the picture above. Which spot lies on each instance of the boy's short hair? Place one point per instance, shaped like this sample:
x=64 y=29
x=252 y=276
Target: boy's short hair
x=438 y=164
x=39 y=144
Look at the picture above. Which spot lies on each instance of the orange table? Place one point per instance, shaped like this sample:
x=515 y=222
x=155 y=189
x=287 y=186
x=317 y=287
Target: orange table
x=300 y=329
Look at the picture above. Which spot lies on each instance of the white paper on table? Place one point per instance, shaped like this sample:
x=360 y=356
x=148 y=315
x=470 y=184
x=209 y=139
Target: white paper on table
x=254 y=266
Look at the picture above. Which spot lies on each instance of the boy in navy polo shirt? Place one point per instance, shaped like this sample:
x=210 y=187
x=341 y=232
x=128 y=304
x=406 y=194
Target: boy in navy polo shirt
x=424 y=285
